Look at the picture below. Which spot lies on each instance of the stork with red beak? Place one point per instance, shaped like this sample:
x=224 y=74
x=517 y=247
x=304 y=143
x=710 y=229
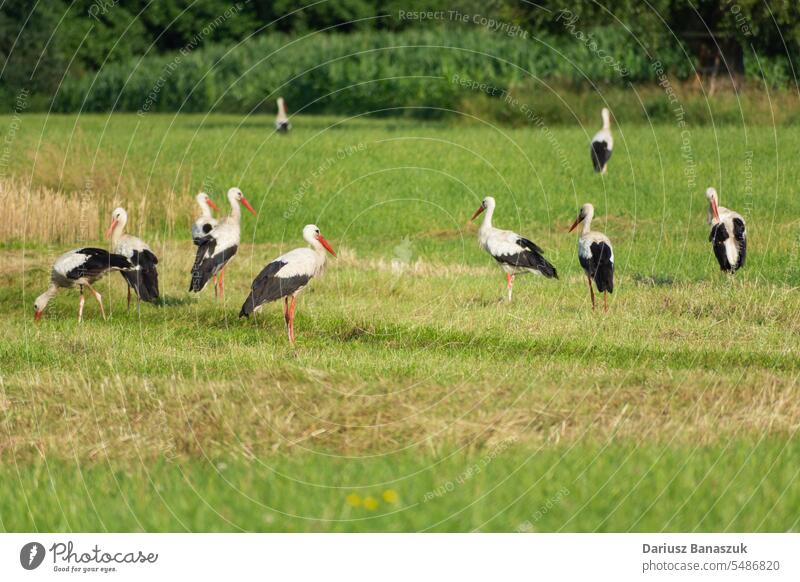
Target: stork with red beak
x=287 y=275
x=595 y=255
x=219 y=246
x=143 y=277
x=81 y=267
x=514 y=254
x=728 y=234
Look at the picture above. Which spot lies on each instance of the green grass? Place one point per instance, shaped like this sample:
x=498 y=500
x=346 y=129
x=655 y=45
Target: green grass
x=677 y=409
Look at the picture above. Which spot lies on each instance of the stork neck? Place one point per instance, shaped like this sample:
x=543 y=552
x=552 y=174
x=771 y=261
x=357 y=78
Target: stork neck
x=205 y=209
x=606 y=120
x=236 y=210
x=487 y=218
x=116 y=234
x=48 y=294
x=587 y=225
x=281 y=108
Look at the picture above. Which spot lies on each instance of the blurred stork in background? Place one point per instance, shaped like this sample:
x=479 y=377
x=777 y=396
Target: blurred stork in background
x=728 y=234
x=602 y=144
x=282 y=123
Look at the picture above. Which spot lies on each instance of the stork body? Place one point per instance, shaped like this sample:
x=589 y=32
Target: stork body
x=728 y=234
x=602 y=144
x=219 y=246
x=595 y=255
x=81 y=267
x=287 y=275
x=515 y=254
x=206 y=222
x=143 y=276
x=282 y=123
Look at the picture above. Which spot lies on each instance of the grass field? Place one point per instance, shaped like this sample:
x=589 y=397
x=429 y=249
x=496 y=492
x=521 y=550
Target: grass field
x=414 y=399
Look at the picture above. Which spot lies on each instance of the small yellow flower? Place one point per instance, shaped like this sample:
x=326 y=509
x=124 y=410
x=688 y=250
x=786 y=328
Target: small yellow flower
x=353 y=500
x=390 y=496
x=370 y=503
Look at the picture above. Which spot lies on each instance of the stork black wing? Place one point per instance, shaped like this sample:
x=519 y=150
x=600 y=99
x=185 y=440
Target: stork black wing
x=740 y=236
x=97 y=262
x=719 y=234
x=600 y=155
x=268 y=286
x=601 y=267
x=207 y=264
x=144 y=280
x=530 y=258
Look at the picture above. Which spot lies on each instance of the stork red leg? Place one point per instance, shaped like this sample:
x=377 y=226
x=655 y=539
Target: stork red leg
x=129 y=297
x=80 y=306
x=286 y=310
x=215 y=287
x=99 y=299
x=291 y=319
x=591 y=290
x=510 y=285
x=222 y=284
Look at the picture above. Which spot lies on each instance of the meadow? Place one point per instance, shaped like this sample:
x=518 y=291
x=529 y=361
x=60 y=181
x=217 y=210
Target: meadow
x=414 y=399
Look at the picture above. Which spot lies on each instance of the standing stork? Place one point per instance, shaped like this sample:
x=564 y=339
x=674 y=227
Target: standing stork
x=287 y=275
x=206 y=221
x=728 y=234
x=595 y=255
x=282 y=123
x=602 y=144
x=80 y=267
x=514 y=254
x=143 y=277
x=219 y=246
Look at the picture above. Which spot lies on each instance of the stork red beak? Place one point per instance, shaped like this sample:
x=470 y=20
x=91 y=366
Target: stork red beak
x=111 y=227
x=574 y=224
x=715 y=209
x=212 y=205
x=477 y=212
x=37 y=316
x=247 y=205
x=325 y=244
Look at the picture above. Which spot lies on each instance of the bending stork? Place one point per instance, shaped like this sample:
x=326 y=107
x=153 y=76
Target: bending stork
x=205 y=222
x=728 y=234
x=219 y=246
x=80 y=267
x=595 y=255
x=282 y=123
x=143 y=277
x=602 y=145
x=287 y=275
x=514 y=254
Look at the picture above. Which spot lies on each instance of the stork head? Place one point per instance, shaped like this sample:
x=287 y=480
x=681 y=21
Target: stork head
x=119 y=218
x=313 y=237
x=204 y=200
x=486 y=204
x=235 y=196
x=713 y=202
x=41 y=302
x=586 y=212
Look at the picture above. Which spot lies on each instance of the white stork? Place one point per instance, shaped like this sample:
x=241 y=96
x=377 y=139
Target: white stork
x=602 y=144
x=728 y=234
x=282 y=123
x=514 y=254
x=287 y=275
x=206 y=221
x=595 y=254
x=80 y=267
x=143 y=277
x=219 y=246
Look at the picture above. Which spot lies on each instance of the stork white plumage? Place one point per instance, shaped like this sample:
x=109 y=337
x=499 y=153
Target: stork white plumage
x=219 y=246
x=80 y=267
x=143 y=276
x=282 y=123
x=287 y=275
x=602 y=144
x=514 y=253
x=595 y=254
x=206 y=221
x=728 y=234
